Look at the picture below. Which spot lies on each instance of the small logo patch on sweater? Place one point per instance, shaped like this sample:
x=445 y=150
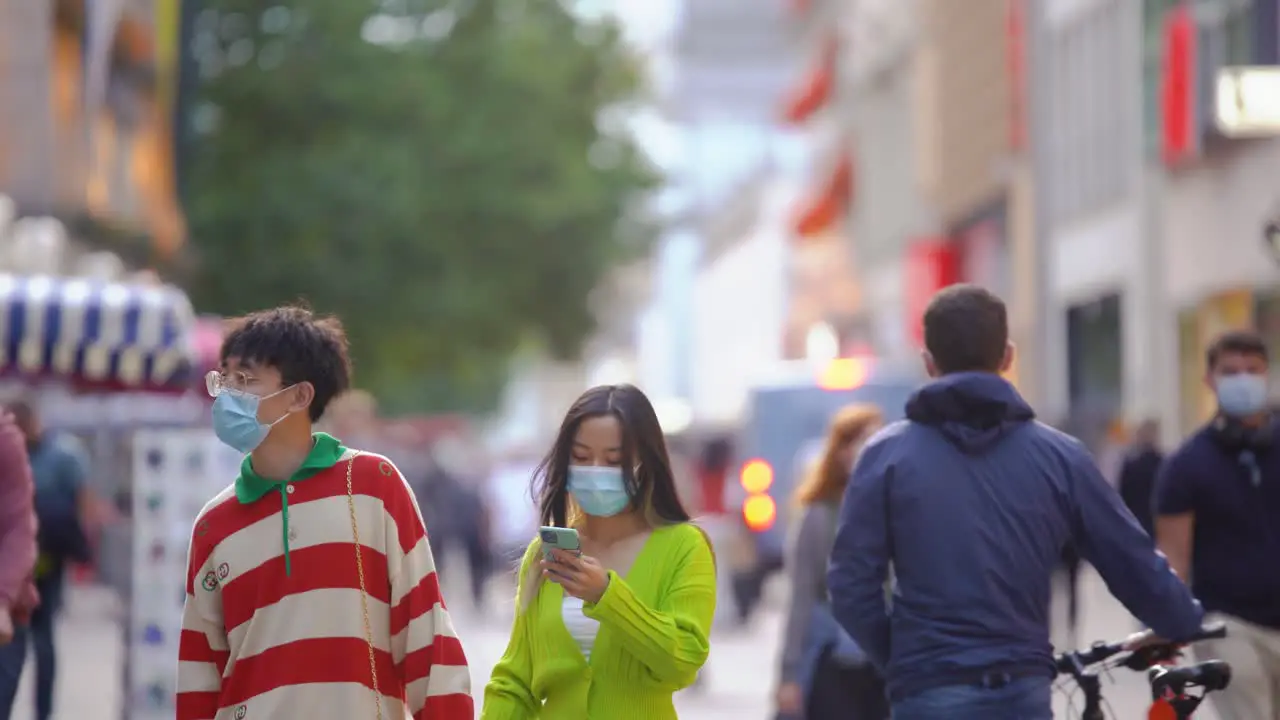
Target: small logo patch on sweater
x=241 y=712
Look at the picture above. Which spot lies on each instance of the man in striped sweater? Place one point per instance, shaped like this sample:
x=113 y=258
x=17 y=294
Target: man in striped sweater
x=288 y=615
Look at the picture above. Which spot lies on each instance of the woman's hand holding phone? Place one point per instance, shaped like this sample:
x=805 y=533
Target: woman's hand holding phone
x=580 y=575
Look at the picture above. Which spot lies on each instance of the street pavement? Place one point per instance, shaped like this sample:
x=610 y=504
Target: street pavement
x=737 y=683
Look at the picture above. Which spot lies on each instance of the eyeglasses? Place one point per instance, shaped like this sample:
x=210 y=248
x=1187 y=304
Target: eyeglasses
x=216 y=382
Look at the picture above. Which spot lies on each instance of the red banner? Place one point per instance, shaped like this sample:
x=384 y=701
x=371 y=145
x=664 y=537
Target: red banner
x=932 y=264
x=1179 y=132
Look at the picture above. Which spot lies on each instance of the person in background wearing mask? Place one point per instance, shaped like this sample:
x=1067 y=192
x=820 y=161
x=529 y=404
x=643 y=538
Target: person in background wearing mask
x=825 y=674
x=18 y=596
x=309 y=579
x=637 y=601
x=1137 y=483
x=1217 y=513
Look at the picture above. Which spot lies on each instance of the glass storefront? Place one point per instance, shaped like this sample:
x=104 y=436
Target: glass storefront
x=1095 y=367
x=1266 y=314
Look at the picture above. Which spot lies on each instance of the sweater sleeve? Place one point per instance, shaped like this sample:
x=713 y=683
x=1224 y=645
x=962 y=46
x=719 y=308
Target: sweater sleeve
x=671 y=640
x=17 y=517
x=424 y=645
x=202 y=646
x=807 y=568
x=509 y=694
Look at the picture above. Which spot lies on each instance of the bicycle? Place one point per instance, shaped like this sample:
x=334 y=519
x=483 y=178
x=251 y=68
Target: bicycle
x=1169 y=685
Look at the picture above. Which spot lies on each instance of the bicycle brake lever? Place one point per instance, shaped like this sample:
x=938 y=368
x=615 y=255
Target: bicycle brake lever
x=1144 y=658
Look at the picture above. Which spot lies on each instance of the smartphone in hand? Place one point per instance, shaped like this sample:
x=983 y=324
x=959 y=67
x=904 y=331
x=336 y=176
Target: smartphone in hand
x=559 y=538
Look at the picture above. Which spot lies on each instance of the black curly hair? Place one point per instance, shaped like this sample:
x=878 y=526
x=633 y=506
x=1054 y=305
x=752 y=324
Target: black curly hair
x=297 y=343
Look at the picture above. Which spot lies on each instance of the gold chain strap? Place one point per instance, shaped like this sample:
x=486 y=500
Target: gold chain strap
x=364 y=593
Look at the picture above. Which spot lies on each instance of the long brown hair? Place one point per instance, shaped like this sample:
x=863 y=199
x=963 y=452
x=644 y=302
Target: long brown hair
x=826 y=483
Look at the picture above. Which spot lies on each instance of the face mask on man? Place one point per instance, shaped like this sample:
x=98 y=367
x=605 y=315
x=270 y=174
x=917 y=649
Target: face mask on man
x=235 y=419
x=1241 y=395
x=599 y=491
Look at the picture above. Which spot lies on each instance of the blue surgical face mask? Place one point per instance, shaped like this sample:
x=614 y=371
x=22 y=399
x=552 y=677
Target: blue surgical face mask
x=235 y=419
x=1242 y=394
x=599 y=491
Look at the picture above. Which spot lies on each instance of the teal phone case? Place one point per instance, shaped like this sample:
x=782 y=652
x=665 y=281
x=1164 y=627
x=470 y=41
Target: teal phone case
x=558 y=537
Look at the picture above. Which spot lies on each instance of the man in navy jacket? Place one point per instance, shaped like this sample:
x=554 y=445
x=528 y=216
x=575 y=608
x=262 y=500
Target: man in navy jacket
x=971 y=501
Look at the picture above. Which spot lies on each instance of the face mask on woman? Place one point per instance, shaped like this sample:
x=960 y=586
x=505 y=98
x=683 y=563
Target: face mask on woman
x=599 y=491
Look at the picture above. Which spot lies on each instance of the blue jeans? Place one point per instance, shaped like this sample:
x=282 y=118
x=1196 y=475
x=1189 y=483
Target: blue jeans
x=1022 y=699
x=14 y=655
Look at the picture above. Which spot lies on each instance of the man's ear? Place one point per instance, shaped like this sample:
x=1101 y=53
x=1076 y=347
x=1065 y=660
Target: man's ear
x=929 y=366
x=303 y=394
x=1010 y=354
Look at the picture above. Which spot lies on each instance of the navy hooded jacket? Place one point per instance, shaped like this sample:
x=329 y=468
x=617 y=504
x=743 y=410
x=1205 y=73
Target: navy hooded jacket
x=972 y=502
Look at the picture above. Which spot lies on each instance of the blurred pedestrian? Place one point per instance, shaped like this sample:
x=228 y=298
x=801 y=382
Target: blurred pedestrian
x=824 y=674
x=637 y=601
x=514 y=518
x=18 y=596
x=310 y=581
x=971 y=502
x=713 y=474
x=63 y=507
x=1138 y=470
x=1217 y=513
x=440 y=494
x=477 y=541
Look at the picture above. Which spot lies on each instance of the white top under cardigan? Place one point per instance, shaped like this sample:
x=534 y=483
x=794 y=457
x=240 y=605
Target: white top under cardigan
x=582 y=628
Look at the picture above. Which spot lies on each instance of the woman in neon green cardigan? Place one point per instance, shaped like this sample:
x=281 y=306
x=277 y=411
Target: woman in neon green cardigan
x=613 y=632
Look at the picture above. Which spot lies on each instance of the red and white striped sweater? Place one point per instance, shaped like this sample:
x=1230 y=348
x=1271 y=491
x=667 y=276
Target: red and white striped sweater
x=273 y=627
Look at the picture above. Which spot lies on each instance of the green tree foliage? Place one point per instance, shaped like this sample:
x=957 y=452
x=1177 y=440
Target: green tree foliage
x=434 y=172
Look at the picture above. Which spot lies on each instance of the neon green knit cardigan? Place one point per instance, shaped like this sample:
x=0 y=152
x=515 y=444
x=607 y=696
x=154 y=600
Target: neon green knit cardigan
x=654 y=625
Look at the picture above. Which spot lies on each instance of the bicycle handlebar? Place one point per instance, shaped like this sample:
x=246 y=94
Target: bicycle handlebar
x=1141 y=659
x=1212 y=675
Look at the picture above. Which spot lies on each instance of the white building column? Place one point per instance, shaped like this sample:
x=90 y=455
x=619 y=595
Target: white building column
x=1150 y=343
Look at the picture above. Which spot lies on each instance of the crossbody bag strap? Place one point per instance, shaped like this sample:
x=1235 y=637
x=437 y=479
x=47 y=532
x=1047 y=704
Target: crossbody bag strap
x=364 y=592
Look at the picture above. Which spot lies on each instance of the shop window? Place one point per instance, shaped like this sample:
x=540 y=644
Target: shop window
x=1094 y=359
x=1266 y=315
x=1190 y=372
x=1229 y=36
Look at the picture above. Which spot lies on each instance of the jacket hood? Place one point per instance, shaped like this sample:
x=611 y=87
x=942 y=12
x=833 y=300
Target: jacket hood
x=972 y=410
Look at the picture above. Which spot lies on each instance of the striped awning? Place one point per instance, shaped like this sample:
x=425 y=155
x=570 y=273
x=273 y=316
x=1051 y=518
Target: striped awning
x=102 y=334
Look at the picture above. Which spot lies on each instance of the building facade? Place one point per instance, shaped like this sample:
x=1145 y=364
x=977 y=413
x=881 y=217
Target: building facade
x=1218 y=191
x=740 y=299
x=1103 y=328
x=939 y=137
x=87 y=106
x=729 y=62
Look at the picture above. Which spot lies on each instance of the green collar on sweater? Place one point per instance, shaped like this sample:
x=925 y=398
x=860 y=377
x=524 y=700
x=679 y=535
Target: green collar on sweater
x=326 y=450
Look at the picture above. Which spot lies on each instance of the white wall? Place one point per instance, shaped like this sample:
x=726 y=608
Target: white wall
x=739 y=311
x=1096 y=255
x=655 y=372
x=885 y=299
x=888 y=211
x=1213 y=218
